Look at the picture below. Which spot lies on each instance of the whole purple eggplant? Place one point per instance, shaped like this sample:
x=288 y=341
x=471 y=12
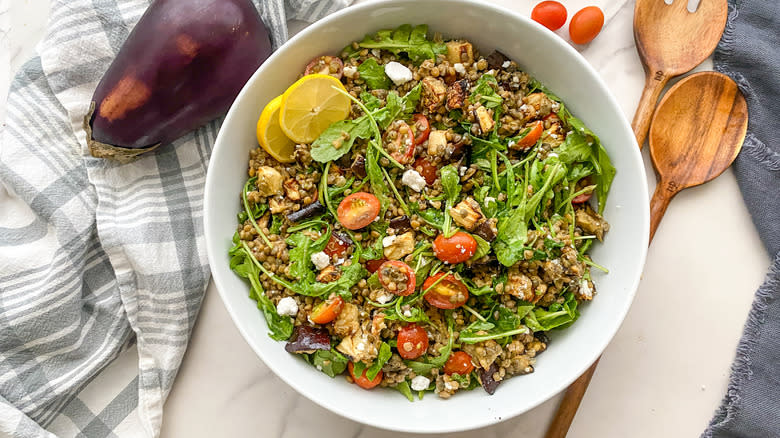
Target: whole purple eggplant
x=182 y=66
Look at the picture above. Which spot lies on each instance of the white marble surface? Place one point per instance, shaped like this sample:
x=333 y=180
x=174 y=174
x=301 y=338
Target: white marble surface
x=663 y=375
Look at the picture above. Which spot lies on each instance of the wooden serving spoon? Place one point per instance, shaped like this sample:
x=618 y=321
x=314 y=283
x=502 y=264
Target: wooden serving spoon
x=672 y=41
x=697 y=132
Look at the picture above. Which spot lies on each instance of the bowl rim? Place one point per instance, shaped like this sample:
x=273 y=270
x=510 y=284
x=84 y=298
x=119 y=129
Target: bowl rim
x=631 y=289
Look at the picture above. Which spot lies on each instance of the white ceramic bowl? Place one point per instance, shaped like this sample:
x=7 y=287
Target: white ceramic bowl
x=557 y=65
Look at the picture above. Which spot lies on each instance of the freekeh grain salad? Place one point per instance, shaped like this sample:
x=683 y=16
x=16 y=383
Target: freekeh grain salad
x=419 y=216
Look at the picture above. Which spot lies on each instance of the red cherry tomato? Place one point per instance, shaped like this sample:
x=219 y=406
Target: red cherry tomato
x=425 y=169
x=454 y=249
x=447 y=293
x=399 y=142
x=532 y=136
x=325 y=65
x=362 y=381
x=421 y=128
x=335 y=246
x=459 y=362
x=585 y=197
x=373 y=265
x=358 y=210
x=586 y=24
x=397 y=277
x=412 y=341
x=327 y=310
x=549 y=14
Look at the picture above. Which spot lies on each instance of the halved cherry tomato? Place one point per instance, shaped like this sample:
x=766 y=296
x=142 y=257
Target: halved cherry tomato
x=412 y=341
x=552 y=117
x=532 y=136
x=362 y=381
x=585 y=197
x=373 y=265
x=327 y=310
x=399 y=142
x=425 y=169
x=549 y=14
x=459 y=362
x=358 y=210
x=447 y=293
x=586 y=24
x=454 y=249
x=325 y=65
x=397 y=277
x=335 y=246
x=421 y=128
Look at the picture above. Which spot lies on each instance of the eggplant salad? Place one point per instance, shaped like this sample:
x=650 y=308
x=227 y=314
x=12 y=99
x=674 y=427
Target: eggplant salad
x=419 y=215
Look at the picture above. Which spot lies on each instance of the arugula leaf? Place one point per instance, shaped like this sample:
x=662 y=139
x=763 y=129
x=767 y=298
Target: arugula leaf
x=507 y=324
x=374 y=75
x=574 y=148
x=280 y=327
x=483 y=248
x=371 y=102
x=398 y=107
x=300 y=255
x=450 y=182
x=330 y=362
x=405 y=39
x=339 y=137
x=276 y=224
x=485 y=93
x=384 y=355
x=377 y=180
x=404 y=389
x=555 y=316
x=350 y=276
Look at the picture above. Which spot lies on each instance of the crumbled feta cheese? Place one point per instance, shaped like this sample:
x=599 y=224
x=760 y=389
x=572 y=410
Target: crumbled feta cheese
x=448 y=386
x=340 y=261
x=490 y=72
x=505 y=64
x=287 y=306
x=462 y=170
x=384 y=298
x=489 y=199
x=376 y=52
x=552 y=154
x=585 y=289
x=320 y=260
x=420 y=383
x=349 y=71
x=515 y=79
x=459 y=68
x=389 y=240
x=408 y=313
x=523 y=107
x=511 y=143
x=398 y=73
x=414 y=180
x=556 y=106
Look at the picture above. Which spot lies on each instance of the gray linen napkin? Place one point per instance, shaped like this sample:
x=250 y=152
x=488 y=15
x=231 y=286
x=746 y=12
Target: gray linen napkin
x=749 y=52
x=94 y=256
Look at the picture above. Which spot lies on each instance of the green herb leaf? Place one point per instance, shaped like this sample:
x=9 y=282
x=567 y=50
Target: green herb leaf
x=483 y=248
x=556 y=316
x=484 y=92
x=405 y=39
x=338 y=139
x=384 y=355
x=374 y=75
x=404 y=389
x=330 y=362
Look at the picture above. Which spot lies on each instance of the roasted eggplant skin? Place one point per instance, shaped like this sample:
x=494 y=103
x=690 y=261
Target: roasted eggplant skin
x=182 y=66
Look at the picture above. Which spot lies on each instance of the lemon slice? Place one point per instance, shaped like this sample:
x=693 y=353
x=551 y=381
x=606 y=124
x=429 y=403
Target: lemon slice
x=270 y=134
x=310 y=105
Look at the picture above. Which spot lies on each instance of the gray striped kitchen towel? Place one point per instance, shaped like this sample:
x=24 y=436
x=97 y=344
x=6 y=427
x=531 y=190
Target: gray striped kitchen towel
x=97 y=258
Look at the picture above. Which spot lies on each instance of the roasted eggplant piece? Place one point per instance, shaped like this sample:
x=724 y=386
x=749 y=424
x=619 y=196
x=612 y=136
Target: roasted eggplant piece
x=487 y=229
x=309 y=211
x=457 y=94
x=400 y=223
x=487 y=380
x=182 y=66
x=496 y=60
x=358 y=167
x=307 y=340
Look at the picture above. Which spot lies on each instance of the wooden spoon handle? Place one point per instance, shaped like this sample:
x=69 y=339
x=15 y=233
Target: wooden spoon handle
x=664 y=192
x=654 y=84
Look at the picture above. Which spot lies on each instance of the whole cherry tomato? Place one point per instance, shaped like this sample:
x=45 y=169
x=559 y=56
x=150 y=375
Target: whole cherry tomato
x=358 y=210
x=412 y=341
x=454 y=249
x=397 y=277
x=459 y=362
x=447 y=293
x=586 y=24
x=362 y=381
x=549 y=14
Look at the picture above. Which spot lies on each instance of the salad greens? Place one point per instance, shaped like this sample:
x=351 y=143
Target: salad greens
x=374 y=75
x=406 y=39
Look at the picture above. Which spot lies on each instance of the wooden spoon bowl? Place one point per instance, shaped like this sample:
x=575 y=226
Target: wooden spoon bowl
x=696 y=133
x=671 y=41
